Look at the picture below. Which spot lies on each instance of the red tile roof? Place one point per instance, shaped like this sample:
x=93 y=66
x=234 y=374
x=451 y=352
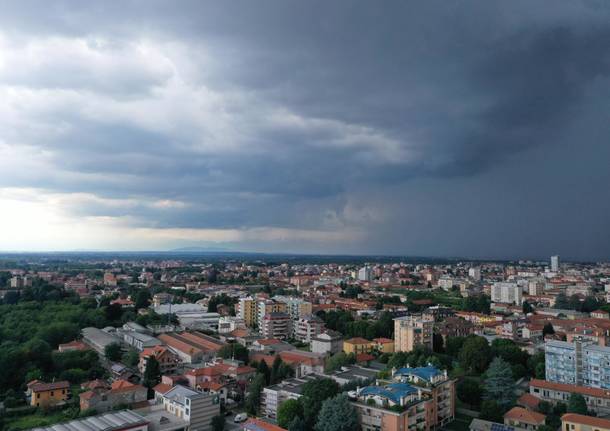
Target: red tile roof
x=586 y=420
x=528 y=401
x=256 y=424
x=522 y=415
x=594 y=392
x=42 y=387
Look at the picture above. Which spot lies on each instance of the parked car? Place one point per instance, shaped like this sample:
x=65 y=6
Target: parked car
x=240 y=417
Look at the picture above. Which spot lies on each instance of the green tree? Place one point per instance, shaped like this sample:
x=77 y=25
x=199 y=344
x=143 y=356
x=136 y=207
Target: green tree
x=253 y=399
x=491 y=411
x=297 y=424
x=263 y=369
x=113 y=352
x=577 y=404
x=548 y=329
x=314 y=393
x=288 y=411
x=499 y=383
x=453 y=345
x=339 y=360
x=474 y=354
x=527 y=308
x=561 y=302
x=218 y=423
x=470 y=392
x=337 y=414
x=131 y=358
x=234 y=351
x=142 y=299
x=152 y=372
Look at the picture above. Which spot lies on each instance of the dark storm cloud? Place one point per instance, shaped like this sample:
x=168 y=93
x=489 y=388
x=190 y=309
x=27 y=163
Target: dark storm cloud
x=306 y=114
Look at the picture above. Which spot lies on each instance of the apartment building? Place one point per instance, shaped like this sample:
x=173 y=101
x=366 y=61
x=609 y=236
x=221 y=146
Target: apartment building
x=412 y=331
x=307 y=327
x=276 y=325
x=417 y=399
x=295 y=307
x=273 y=396
x=358 y=345
x=598 y=400
x=507 y=293
x=268 y=306
x=246 y=310
x=578 y=363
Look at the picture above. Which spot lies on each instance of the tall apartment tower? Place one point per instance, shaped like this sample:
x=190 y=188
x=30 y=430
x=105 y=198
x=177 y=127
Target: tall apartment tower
x=365 y=274
x=474 y=273
x=555 y=263
x=506 y=293
x=412 y=331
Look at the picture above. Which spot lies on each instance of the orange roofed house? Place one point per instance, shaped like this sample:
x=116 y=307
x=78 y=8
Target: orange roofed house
x=519 y=417
x=48 y=394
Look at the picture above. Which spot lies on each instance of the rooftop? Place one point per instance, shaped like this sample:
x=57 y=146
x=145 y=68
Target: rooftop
x=106 y=422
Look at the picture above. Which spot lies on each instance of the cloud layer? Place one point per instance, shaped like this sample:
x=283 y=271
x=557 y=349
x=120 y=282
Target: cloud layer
x=477 y=129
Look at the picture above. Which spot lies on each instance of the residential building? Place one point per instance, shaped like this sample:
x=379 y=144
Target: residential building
x=103 y=397
x=276 y=325
x=123 y=420
x=268 y=306
x=168 y=360
x=384 y=345
x=308 y=327
x=555 y=263
x=295 y=307
x=576 y=422
x=474 y=273
x=196 y=408
x=507 y=293
x=358 y=345
x=417 y=399
x=329 y=342
x=48 y=394
x=578 y=363
x=598 y=400
x=246 y=310
x=365 y=274
x=273 y=396
x=412 y=331
x=524 y=419
x=454 y=327
x=227 y=324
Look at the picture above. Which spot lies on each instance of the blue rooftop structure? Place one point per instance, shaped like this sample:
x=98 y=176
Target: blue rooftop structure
x=394 y=391
x=424 y=373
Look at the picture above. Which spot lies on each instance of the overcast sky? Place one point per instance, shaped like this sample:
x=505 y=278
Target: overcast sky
x=439 y=128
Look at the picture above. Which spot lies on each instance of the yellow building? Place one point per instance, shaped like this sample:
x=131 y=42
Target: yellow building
x=358 y=345
x=384 y=345
x=576 y=422
x=48 y=394
x=247 y=311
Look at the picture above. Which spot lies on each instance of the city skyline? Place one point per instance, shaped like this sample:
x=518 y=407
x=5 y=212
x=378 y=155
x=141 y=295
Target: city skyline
x=408 y=129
